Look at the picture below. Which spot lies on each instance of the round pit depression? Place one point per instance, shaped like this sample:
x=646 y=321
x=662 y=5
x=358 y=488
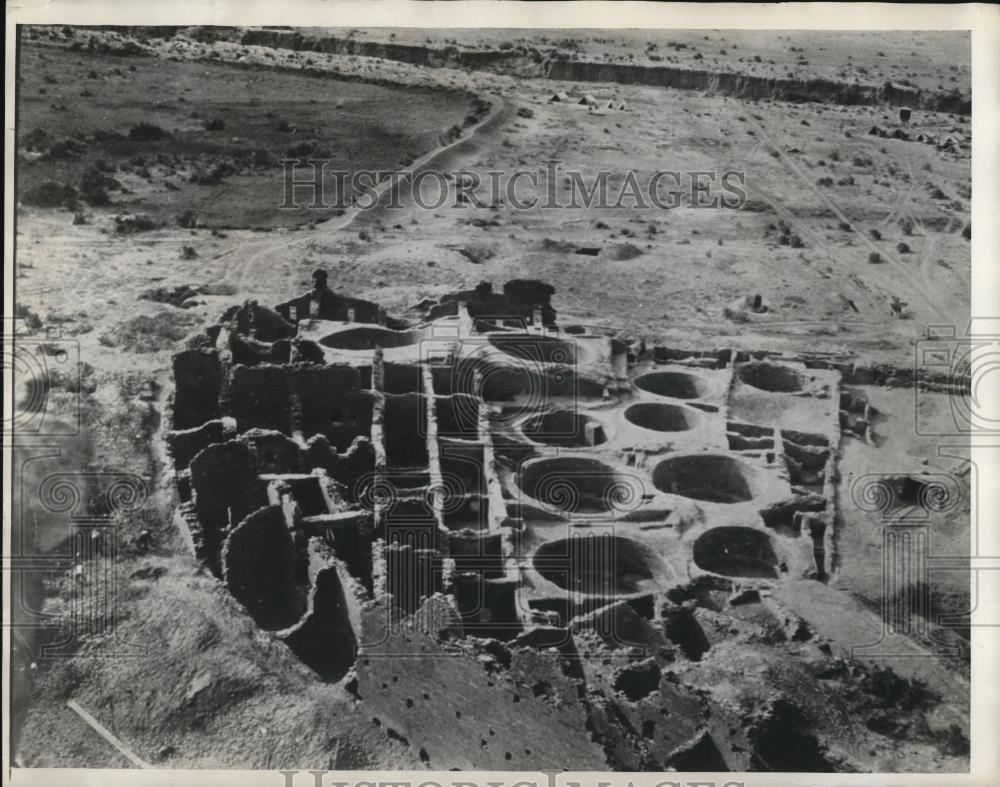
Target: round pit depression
x=771 y=377
x=565 y=428
x=368 y=338
x=736 y=552
x=676 y=385
x=575 y=485
x=537 y=349
x=659 y=417
x=600 y=565
x=713 y=478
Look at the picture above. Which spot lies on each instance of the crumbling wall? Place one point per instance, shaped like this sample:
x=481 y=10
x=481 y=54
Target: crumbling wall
x=273 y=451
x=262 y=570
x=357 y=462
x=325 y=637
x=464 y=710
x=259 y=397
x=333 y=402
x=186 y=443
x=328 y=305
x=405 y=430
x=224 y=491
x=197 y=383
x=258 y=322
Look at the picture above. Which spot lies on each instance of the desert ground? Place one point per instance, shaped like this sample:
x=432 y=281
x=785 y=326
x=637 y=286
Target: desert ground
x=148 y=185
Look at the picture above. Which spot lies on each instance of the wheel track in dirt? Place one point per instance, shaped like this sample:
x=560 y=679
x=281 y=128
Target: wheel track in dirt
x=239 y=271
x=904 y=272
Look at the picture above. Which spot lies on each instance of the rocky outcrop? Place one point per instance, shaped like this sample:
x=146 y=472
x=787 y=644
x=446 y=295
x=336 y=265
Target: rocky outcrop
x=751 y=86
x=533 y=62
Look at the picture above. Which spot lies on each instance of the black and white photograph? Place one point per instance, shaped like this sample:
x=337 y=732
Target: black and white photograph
x=517 y=393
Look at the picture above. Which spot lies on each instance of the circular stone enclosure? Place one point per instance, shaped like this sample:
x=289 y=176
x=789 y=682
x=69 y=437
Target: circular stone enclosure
x=564 y=428
x=676 y=385
x=368 y=338
x=771 y=377
x=736 y=552
x=575 y=485
x=600 y=565
x=536 y=349
x=712 y=478
x=659 y=417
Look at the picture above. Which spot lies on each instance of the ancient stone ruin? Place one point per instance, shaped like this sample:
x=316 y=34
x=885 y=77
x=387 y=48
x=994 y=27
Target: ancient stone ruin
x=486 y=501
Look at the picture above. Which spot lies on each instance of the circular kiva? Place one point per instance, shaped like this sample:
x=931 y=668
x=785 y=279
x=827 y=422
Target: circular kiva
x=368 y=338
x=771 y=377
x=535 y=349
x=600 y=564
x=676 y=385
x=575 y=485
x=659 y=417
x=712 y=478
x=736 y=552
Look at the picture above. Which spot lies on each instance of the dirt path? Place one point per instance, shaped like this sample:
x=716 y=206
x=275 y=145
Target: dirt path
x=243 y=260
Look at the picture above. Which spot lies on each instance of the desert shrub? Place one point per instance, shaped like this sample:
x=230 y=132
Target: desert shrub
x=825 y=181
x=874 y=258
x=796 y=242
x=36 y=139
x=876 y=235
x=94 y=185
x=844 y=226
x=145 y=132
x=129 y=223
x=144 y=333
x=891 y=690
x=903 y=248
x=188 y=253
x=31 y=320
x=907 y=226
x=50 y=194
x=525 y=112
x=64 y=148
x=212 y=176
x=967 y=232
x=186 y=219
x=106 y=135
x=306 y=147
x=262 y=157
x=215 y=124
